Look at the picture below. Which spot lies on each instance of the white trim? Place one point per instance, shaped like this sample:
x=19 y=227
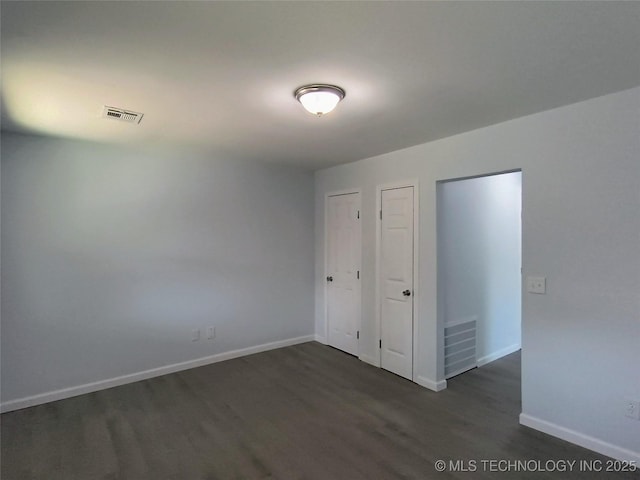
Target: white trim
x=416 y=249
x=336 y=193
x=320 y=339
x=431 y=384
x=154 y=372
x=499 y=354
x=580 y=439
x=344 y=191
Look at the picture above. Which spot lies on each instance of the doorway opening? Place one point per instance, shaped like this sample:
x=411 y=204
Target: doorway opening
x=479 y=227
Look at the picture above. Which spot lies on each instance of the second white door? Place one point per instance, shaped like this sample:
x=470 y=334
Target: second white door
x=343 y=271
x=396 y=280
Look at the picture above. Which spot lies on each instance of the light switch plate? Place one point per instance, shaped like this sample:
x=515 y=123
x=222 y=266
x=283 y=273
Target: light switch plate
x=537 y=285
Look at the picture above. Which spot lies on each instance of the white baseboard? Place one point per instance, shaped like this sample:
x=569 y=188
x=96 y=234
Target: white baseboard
x=431 y=384
x=499 y=354
x=154 y=372
x=580 y=439
x=320 y=339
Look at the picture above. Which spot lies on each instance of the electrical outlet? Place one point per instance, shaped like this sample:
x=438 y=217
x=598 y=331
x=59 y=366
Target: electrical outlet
x=211 y=333
x=195 y=335
x=632 y=408
x=537 y=285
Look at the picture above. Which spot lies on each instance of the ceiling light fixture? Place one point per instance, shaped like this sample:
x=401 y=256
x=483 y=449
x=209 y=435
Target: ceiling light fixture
x=318 y=98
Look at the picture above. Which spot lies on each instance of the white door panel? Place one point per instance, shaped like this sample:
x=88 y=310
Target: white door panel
x=343 y=264
x=396 y=280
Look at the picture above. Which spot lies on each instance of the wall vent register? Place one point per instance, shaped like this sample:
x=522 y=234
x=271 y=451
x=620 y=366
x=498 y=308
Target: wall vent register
x=459 y=347
x=122 y=115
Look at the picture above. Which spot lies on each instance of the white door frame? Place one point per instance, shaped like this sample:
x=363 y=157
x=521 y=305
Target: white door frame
x=416 y=291
x=347 y=191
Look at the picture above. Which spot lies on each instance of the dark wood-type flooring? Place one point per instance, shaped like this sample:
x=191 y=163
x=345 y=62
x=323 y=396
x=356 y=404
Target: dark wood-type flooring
x=301 y=412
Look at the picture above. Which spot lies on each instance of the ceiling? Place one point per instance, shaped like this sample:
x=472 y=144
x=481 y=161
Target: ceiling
x=219 y=77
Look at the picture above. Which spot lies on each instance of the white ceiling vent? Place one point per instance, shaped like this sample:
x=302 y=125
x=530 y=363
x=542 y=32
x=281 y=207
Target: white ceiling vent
x=121 y=115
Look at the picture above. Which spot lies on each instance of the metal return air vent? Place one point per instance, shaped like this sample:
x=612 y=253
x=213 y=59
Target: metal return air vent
x=121 y=115
x=460 y=347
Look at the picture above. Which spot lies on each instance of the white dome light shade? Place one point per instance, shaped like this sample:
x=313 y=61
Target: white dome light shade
x=319 y=98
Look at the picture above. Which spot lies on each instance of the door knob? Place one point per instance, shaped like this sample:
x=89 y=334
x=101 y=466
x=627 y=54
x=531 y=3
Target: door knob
x=329 y=279
x=407 y=293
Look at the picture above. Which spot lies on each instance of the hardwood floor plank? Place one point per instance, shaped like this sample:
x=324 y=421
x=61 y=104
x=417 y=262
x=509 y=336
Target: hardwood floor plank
x=303 y=412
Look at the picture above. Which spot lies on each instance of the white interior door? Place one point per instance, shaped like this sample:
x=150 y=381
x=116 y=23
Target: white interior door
x=396 y=281
x=343 y=271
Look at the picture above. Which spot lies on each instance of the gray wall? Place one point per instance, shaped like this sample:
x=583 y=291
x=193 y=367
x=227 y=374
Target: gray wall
x=581 y=229
x=111 y=256
x=479 y=259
